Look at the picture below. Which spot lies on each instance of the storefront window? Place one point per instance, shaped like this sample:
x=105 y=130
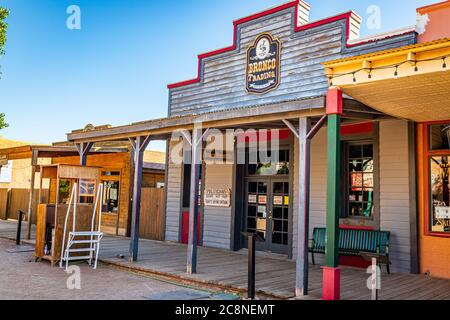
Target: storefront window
x=281 y=167
x=87 y=191
x=361 y=180
x=440 y=137
x=440 y=193
x=64 y=191
x=110 y=196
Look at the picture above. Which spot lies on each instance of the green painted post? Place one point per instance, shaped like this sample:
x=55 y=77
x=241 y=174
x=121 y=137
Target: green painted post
x=333 y=193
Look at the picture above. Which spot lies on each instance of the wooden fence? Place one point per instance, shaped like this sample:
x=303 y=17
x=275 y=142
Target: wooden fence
x=151 y=224
x=13 y=200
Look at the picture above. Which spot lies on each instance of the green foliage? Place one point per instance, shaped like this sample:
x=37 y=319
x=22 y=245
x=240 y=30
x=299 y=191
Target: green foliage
x=3 y=124
x=3 y=27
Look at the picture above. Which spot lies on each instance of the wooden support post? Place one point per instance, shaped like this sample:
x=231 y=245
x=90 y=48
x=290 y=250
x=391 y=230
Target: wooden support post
x=139 y=145
x=196 y=142
x=304 y=136
x=83 y=149
x=304 y=146
x=34 y=160
x=331 y=272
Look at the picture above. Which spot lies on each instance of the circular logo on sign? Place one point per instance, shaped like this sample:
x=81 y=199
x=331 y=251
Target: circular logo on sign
x=262 y=48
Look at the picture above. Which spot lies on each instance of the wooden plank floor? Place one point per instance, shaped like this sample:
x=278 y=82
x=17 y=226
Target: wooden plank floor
x=275 y=276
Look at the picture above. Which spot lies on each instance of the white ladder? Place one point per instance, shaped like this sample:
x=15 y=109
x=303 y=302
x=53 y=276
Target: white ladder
x=79 y=237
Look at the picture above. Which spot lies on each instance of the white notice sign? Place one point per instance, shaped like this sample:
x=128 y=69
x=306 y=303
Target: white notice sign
x=217 y=198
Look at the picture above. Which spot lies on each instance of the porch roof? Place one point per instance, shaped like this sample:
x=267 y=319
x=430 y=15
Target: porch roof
x=26 y=152
x=411 y=82
x=266 y=116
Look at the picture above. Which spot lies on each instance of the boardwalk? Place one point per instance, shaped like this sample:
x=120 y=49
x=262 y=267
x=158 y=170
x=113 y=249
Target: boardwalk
x=275 y=276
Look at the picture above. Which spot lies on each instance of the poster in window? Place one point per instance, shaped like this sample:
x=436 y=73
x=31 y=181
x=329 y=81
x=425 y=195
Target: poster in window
x=286 y=200
x=278 y=200
x=6 y=172
x=262 y=199
x=251 y=198
x=357 y=181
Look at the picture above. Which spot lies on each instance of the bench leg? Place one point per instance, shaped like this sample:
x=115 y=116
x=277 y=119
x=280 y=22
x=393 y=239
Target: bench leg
x=312 y=258
x=388 y=268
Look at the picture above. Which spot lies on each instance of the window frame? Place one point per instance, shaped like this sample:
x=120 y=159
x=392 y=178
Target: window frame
x=360 y=221
x=426 y=172
x=114 y=178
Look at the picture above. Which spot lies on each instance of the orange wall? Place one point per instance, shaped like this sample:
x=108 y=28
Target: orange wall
x=434 y=251
x=438 y=27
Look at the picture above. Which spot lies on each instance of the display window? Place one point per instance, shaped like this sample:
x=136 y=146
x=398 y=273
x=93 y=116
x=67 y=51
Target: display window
x=437 y=161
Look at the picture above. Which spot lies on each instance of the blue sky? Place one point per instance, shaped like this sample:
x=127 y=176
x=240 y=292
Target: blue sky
x=116 y=68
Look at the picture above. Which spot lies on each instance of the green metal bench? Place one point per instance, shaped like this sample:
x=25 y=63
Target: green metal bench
x=355 y=243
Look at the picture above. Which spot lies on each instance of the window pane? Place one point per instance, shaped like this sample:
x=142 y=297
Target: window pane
x=251 y=211
x=110 y=196
x=368 y=165
x=252 y=186
x=356 y=209
x=251 y=224
x=277 y=213
x=440 y=137
x=355 y=152
x=355 y=166
x=440 y=194
x=368 y=151
x=278 y=187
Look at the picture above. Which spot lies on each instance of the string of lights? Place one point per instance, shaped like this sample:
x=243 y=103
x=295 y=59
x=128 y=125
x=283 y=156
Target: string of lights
x=395 y=66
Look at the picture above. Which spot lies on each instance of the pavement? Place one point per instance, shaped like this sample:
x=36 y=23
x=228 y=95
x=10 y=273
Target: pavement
x=23 y=279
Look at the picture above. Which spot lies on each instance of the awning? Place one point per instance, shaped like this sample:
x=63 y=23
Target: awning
x=411 y=82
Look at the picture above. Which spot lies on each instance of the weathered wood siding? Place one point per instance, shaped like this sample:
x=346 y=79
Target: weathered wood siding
x=222 y=83
x=173 y=199
x=217 y=221
x=395 y=192
x=318 y=190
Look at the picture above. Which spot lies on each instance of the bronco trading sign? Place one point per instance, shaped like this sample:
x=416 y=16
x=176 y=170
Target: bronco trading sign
x=263 y=65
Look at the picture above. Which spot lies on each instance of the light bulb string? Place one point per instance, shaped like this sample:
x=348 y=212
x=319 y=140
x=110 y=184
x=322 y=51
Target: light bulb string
x=396 y=66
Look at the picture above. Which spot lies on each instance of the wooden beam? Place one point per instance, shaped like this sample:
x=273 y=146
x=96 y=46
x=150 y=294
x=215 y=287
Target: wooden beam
x=139 y=145
x=83 y=150
x=291 y=110
x=34 y=162
x=304 y=147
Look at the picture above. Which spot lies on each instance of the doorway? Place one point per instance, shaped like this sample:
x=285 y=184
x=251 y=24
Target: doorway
x=267 y=212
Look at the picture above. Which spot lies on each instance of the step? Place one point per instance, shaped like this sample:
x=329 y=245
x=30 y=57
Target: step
x=82 y=250
x=83 y=241
x=77 y=258
x=86 y=234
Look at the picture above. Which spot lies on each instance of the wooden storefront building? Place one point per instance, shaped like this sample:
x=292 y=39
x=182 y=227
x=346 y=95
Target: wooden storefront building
x=345 y=161
x=114 y=163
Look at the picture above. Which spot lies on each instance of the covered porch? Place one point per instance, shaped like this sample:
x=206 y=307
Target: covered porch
x=284 y=278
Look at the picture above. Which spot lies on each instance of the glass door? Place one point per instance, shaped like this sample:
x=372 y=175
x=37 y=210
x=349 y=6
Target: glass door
x=267 y=213
x=279 y=217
